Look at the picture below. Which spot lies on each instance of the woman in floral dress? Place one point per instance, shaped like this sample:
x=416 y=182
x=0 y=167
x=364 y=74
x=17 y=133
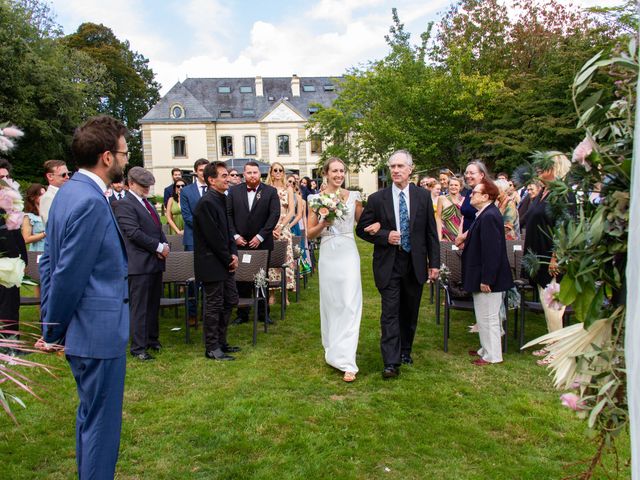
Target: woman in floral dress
x=276 y=179
x=448 y=216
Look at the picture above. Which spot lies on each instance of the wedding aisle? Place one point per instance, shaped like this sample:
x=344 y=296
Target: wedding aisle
x=280 y=412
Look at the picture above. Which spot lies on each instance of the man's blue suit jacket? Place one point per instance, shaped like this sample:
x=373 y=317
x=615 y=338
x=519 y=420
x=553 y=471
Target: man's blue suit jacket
x=189 y=198
x=84 y=288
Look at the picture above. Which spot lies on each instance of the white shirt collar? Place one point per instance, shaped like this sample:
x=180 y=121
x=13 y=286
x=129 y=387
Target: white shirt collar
x=52 y=188
x=95 y=178
x=396 y=190
x=482 y=209
x=136 y=196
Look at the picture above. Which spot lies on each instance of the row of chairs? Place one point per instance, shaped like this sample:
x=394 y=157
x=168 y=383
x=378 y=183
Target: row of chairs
x=455 y=298
x=179 y=276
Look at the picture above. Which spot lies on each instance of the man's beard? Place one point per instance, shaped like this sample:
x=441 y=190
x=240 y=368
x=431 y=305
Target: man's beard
x=116 y=173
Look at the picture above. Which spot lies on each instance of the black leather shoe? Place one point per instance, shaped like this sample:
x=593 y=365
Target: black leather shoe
x=406 y=359
x=223 y=357
x=390 y=371
x=155 y=348
x=266 y=319
x=143 y=356
x=230 y=349
x=239 y=320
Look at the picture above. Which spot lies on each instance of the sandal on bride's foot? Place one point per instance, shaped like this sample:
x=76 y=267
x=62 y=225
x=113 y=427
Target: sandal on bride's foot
x=543 y=362
x=540 y=353
x=349 y=377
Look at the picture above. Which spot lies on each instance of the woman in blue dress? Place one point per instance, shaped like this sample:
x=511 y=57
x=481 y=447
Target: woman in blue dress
x=32 y=225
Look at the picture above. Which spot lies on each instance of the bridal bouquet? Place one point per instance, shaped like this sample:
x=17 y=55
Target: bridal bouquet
x=328 y=206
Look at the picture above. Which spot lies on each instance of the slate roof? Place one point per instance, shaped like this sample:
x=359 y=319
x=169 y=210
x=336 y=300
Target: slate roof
x=202 y=101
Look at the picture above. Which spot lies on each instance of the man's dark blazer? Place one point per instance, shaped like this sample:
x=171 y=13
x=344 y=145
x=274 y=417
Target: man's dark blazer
x=260 y=220
x=168 y=191
x=113 y=198
x=141 y=236
x=214 y=243
x=189 y=198
x=422 y=231
x=484 y=258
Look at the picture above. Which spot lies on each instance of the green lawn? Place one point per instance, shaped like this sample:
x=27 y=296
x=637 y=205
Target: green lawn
x=279 y=412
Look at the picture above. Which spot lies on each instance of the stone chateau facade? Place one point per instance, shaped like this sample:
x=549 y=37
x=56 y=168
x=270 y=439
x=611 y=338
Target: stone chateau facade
x=255 y=118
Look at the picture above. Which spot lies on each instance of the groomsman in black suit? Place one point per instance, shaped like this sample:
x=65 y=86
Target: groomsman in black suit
x=215 y=260
x=406 y=240
x=147 y=250
x=254 y=210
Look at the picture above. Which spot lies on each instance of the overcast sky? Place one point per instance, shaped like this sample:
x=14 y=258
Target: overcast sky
x=226 y=38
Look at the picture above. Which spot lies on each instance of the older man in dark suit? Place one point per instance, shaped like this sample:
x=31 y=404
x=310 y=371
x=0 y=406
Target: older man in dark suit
x=406 y=241
x=254 y=210
x=83 y=274
x=147 y=249
x=215 y=259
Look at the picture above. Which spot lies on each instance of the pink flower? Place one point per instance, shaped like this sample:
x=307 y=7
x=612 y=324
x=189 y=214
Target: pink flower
x=10 y=199
x=550 y=296
x=572 y=401
x=581 y=152
x=13 y=220
x=5 y=144
x=13 y=132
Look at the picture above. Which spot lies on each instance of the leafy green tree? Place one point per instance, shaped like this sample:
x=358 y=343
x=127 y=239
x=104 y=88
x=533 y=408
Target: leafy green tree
x=131 y=89
x=45 y=88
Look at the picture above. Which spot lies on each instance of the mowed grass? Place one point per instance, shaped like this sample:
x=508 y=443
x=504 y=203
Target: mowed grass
x=279 y=412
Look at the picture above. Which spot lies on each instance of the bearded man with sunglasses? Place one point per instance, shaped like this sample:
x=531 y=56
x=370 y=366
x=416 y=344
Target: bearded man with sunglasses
x=57 y=174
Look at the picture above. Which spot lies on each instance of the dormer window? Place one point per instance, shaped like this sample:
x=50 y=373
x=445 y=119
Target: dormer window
x=248 y=112
x=246 y=89
x=176 y=111
x=313 y=110
x=223 y=89
x=329 y=88
x=308 y=88
x=225 y=114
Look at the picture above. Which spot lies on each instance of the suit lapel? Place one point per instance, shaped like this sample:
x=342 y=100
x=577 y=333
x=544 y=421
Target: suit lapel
x=413 y=206
x=388 y=206
x=256 y=198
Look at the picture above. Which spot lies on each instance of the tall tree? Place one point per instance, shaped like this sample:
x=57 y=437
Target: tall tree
x=132 y=90
x=45 y=88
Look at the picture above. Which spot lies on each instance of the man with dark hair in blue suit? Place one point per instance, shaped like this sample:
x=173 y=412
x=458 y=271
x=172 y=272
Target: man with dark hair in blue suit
x=85 y=291
x=176 y=173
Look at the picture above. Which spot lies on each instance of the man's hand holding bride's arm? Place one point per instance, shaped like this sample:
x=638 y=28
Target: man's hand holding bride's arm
x=394 y=237
x=373 y=228
x=460 y=239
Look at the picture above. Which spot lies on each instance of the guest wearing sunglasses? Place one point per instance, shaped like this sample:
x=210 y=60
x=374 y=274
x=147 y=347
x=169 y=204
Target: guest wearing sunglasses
x=174 y=211
x=235 y=178
x=57 y=174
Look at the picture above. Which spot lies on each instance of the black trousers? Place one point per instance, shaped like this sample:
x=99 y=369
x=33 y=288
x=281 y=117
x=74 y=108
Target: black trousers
x=400 y=306
x=144 y=304
x=9 y=308
x=219 y=299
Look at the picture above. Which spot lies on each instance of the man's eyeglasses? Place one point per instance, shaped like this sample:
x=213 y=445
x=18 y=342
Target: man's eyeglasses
x=474 y=192
x=63 y=175
x=126 y=154
x=234 y=174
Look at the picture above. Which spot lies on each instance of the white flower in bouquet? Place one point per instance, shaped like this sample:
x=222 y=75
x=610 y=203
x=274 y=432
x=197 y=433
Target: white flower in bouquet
x=11 y=272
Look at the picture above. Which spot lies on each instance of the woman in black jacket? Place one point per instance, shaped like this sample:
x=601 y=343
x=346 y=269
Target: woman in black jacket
x=485 y=270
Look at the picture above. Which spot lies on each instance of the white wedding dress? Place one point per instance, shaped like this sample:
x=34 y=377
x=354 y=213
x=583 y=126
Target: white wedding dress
x=340 y=290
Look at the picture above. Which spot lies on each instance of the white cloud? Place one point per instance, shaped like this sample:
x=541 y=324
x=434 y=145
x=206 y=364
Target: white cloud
x=339 y=10
x=208 y=20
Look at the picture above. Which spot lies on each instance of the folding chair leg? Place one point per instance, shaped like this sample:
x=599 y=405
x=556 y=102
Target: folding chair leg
x=438 y=303
x=297 y=274
x=521 y=342
x=505 y=326
x=187 y=337
x=446 y=329
x=255 y=320
x=431 y=284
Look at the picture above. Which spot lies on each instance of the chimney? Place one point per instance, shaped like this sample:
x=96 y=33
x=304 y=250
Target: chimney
x=295 y=86
x=259 y=91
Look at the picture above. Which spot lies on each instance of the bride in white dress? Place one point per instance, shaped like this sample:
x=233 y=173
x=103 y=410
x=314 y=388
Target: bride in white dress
x=339 y=270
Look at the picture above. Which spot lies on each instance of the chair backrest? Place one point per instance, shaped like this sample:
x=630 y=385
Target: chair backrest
x=279 y=254
x=453 y=260
x=514 y=246
x=175 y=243
x=250 y=263
x=179 y=267
x=32 y=269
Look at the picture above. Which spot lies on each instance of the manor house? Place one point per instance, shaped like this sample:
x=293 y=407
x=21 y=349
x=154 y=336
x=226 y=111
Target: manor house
x=257 y=118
